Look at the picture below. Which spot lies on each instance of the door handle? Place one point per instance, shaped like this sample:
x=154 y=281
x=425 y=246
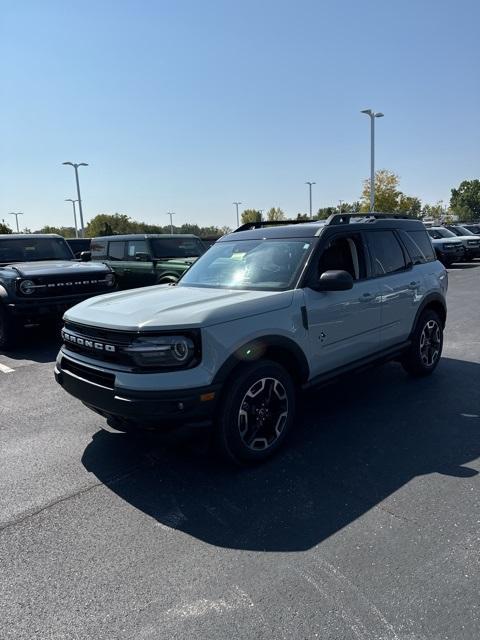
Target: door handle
x=367 y=297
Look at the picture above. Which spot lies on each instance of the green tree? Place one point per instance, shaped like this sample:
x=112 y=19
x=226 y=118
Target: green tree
x=387 y=193
x=465 y=201
x=409 y=205
x=325 y=212
x=275 y=214
x=109 y=224
x=251 y=215
x=4 y=228
x=66 y=232
x=303 y=216
x=433 y=210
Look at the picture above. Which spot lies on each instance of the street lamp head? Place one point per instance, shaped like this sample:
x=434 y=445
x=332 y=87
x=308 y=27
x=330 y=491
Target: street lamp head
x=379 y=115
x=369 y=112
x=70 y=163
x=85 y=164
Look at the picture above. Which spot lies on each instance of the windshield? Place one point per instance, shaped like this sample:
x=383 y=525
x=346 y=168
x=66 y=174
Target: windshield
x=441 y=233
x=34 y=249
x=177 y=247
x=463 y=231
x=249 y=264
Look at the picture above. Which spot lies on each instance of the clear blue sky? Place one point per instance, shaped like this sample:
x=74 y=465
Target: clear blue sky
x=188 y=105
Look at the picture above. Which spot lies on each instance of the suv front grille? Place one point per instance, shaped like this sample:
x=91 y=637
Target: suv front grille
x=55 y=286
x=102 y=344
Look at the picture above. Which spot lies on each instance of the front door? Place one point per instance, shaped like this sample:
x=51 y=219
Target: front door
x=344 y=326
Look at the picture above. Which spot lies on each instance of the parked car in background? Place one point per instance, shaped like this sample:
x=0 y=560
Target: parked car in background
x=471 y=241
x=448 y=247
x=40 y=280
x=140 y=260
x=474 y=228
x=79 y=246
x=263 y=313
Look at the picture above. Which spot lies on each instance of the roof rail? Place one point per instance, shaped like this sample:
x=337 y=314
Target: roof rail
x=269 y=223
x=345 y=218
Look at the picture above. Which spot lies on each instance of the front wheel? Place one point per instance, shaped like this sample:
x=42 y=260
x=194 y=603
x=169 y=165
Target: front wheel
x=424 y=353
x=256 y=413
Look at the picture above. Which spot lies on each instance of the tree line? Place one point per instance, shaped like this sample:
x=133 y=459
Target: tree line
x=464 y=204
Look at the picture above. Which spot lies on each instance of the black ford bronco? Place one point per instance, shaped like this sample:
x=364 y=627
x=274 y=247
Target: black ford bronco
x=40 y=280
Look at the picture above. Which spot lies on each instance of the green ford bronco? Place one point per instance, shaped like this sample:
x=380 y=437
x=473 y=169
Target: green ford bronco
x=140 y=260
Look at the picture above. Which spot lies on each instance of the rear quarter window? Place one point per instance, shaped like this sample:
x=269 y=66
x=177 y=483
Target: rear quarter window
x=419 y=246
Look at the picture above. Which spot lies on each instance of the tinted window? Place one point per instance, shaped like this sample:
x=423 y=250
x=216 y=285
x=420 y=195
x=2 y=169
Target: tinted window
x=32 y=249
x=387 y=253
x=137 y=246
x=99 y=248
x=418 y=246
x=116 y=250
x=177 y=247
x=344 y=253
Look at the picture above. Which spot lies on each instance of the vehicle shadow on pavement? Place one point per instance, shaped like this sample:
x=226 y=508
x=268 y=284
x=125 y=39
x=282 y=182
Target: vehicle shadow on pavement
x=356 y=443
x=36 y=344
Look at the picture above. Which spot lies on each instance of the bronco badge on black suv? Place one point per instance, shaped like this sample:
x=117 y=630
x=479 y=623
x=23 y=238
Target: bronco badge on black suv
x=40 y=280
x=262 y=314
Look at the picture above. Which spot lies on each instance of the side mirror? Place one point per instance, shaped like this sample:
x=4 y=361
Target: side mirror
x=334 y=281
x=141 y=256
x=86 y=256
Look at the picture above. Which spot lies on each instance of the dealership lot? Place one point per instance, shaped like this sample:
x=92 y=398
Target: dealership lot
x=365 y=527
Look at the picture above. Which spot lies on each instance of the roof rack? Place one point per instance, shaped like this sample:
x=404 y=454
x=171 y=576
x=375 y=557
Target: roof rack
x=345 y=218
x=269 y=223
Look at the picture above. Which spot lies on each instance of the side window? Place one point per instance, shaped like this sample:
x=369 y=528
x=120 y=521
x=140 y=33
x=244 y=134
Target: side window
x=344 y=253
x=116 y=250
x=419 y=246
x=388 y=256
x=136 y=246
x=98 y=249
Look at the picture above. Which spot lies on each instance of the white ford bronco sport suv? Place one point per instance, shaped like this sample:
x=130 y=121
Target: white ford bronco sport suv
x=265 y=312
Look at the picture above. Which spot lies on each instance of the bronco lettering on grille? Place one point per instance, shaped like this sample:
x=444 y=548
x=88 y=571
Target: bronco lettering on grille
x=87 y=343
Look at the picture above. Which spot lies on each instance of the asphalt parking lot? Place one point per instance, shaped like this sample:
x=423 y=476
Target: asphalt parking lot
x=365 y=528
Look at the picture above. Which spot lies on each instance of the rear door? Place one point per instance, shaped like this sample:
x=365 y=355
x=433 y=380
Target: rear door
x=344 y=326
x=400 y=285
x=117 y=260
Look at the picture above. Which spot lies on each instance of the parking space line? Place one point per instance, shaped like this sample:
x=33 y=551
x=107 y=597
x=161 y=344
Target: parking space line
x=5 y=369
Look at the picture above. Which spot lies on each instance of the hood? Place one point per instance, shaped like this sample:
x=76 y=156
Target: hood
x=56 y=267
x=467 y=238
x=454 y=241
x=166 y=307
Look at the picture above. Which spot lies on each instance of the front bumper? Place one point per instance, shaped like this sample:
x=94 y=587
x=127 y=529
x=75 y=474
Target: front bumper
x=96 y=388
x=33 y=310
x=472 y=252
x=451 y=255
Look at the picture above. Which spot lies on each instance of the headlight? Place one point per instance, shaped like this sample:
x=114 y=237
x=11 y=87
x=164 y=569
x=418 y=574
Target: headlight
x=162 y=351
x=27 y=287
x=110 y=279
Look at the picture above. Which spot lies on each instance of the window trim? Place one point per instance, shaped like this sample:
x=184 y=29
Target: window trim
x=326 y=239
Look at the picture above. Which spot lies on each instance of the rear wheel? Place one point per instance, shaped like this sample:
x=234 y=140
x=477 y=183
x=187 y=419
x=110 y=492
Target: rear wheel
x=168 y=280
x=256 y=413
x=8 y=330
x=424 y=353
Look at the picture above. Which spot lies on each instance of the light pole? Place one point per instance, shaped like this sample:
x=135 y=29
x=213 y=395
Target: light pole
x=340 y=202
x=74 y=214
x=261 y=214
x=238 y=219
x=75 y=166
x=19 y=213
x=171 y=214
x=310 y=195
x=372 y=116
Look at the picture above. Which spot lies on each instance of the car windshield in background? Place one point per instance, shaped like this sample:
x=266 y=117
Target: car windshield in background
x=33 y=249
x=177 y=248
x=438 y=234
x=249 y=264
x=464 y=231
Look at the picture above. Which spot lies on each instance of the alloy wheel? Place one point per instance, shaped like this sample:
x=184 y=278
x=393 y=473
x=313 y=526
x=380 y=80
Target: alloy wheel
x=430 y=343
x=263 y=413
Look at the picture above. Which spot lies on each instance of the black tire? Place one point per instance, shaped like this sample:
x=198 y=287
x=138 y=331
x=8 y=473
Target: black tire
x=425 y=351
x=8 y=331
x=256 y=412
